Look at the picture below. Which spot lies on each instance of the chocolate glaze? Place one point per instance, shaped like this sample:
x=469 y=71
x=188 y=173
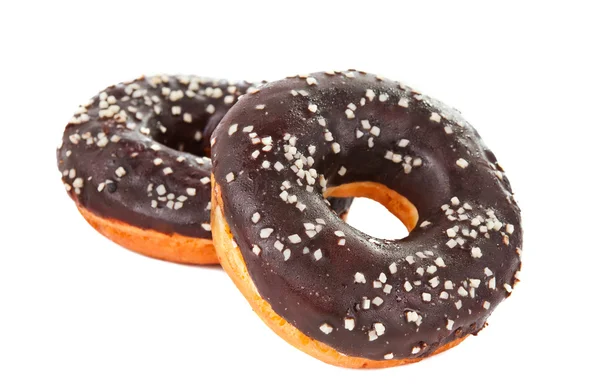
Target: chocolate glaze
x=367 y=297
x=156 y=129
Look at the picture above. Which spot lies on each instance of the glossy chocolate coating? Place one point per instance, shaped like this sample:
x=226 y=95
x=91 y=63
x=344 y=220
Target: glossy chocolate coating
x=137 y=152
x=366 y=297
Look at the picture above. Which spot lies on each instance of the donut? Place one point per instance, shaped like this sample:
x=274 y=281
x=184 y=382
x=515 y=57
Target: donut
x=332 y=291
x=135 y=159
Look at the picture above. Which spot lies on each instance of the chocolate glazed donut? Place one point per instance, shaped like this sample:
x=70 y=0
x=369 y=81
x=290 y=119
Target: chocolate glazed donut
x=334 y=292
x=134 y=159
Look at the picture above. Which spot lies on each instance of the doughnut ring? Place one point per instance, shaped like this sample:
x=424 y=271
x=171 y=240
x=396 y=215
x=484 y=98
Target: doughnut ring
x=327 y=288
x=135 y=159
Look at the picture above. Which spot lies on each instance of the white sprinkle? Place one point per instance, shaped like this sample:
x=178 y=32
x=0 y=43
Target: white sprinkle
x=349 y=113
x=434 y=282
x=393 y=268
x=256 y=218
x=155 y=147
x=462 y=292
x=359 y=278
x=403 y=102
x=232 y=129
x=286 y=254
x=416 y=350
x=311 y=81
x=294 y=239
x=458 y=304
x=449 y=325
x=312 y=107
x=205 y=180
x=388 y=356
x=444 y=295
x=210 y=109
x=167 y=171
x=492 y=283
x=120 y=172
x=191 y=191
x=335 y=147
x=266 y=232
x=176 y=110
x=278 y=245
x=431 y=269
x=510 y=228
x=426 y=297
x=403 y=143
x=326 y=328
x=476 y=252
x=206 y=226
x=425 y=224
x=230 y=177
x=256 y=249
x=318 y=254
x=260 y=107
x=435 y=117
x=187 y=117
x=448 y=129
x=448 y=285
x=474 y=282
x=451 y=233
x=451 y=244
x=486 y=305
x=462 y=163
x=439 y=262
x=370 y=94
x=383 y=97
x=387 y=288
x=366 y=303
x=407 y=286
x=382 y=277
x=508 y=288
x=379 y=328
x=349 y=323
x=375 y=131
x=412 y=316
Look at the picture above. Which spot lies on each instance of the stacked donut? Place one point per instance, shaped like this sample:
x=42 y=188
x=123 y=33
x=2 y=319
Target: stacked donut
x=135 y=159
x=340 y=295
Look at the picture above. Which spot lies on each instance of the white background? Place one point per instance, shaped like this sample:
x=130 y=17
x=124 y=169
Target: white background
x=78 y=313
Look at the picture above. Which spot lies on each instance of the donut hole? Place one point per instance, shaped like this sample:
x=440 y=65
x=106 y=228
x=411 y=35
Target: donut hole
x=374 y=219
x=378 y=210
